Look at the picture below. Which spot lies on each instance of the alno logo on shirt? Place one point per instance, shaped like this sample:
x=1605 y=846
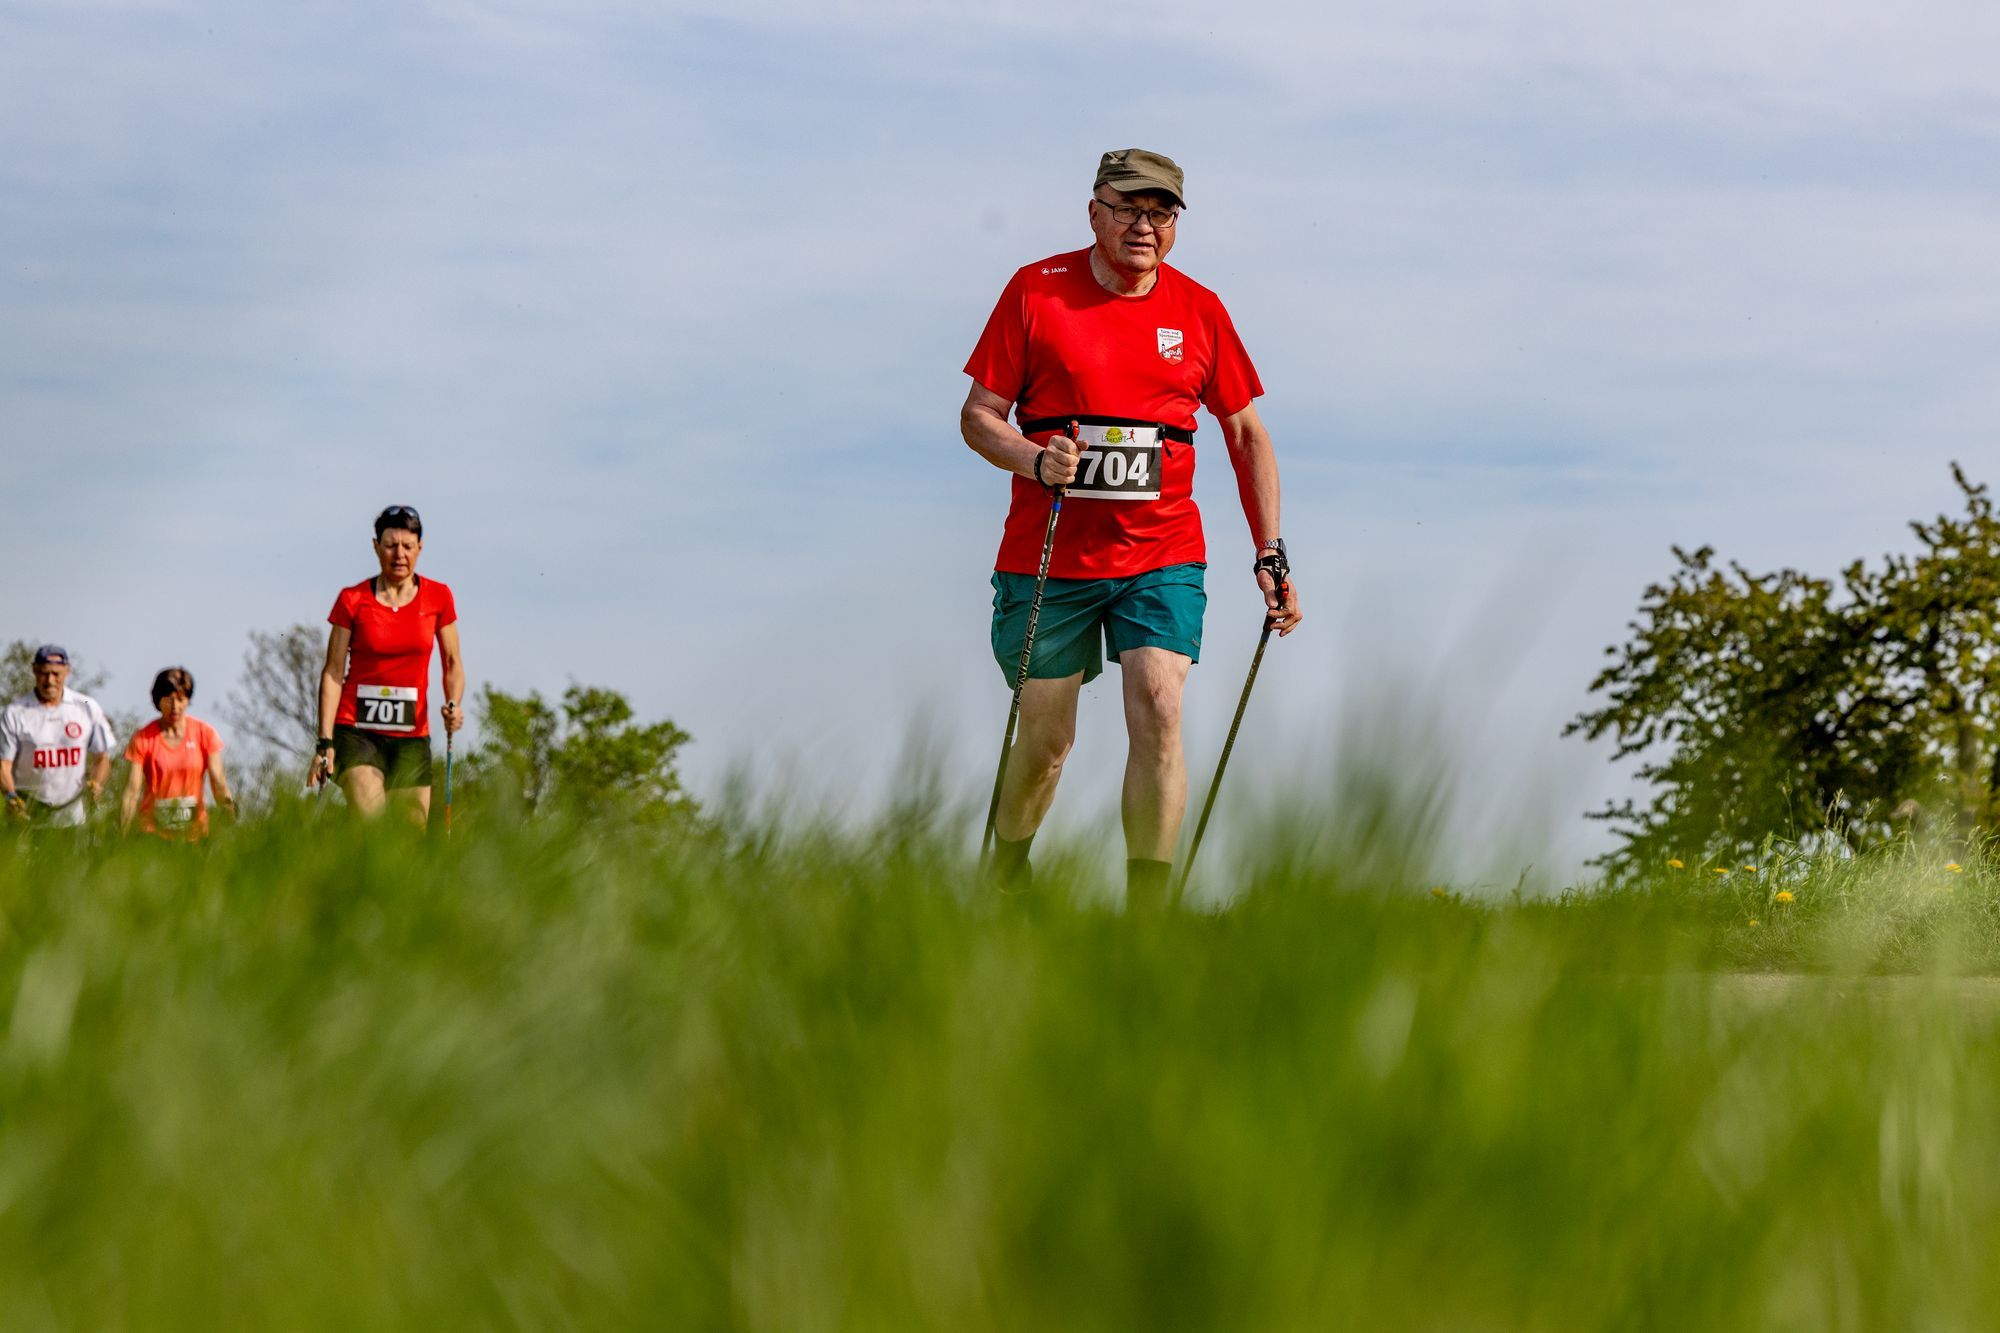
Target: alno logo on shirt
x=1170 y=344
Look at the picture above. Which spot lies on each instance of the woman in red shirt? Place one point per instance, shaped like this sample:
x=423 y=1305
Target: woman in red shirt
x=169 y=759
x=374 y=715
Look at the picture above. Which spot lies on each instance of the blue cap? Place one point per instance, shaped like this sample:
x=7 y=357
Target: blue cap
x=48 y=653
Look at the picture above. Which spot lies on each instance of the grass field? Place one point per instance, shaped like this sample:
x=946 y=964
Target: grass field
x=537 y=1078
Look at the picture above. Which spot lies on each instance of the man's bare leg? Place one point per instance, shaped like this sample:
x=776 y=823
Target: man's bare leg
x=1041 y=743
x=1155 y=797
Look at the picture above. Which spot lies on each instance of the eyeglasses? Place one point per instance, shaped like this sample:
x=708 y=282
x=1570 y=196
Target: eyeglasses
x=1125 y=214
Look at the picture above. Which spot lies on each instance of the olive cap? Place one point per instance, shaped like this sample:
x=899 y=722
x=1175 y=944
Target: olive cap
x=1135 y=171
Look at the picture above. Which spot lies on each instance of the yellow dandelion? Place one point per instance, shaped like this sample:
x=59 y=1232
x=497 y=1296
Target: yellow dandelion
x=1751 y=869
x=1783 y=896
x=1954 y=867
x=1677 y=864
x=1437 y=891
x=1754 y=923
x=1722 y=870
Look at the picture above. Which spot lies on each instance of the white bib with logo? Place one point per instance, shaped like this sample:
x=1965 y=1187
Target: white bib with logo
x=1118 y=463
x=172 y=813
x=385 y=707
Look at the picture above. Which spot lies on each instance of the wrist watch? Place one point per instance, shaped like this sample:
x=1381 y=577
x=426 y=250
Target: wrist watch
x=322 y=745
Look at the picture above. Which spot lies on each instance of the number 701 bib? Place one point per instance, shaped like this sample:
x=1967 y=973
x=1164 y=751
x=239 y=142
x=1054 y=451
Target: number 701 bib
x=1118 y=463
x=385 y=708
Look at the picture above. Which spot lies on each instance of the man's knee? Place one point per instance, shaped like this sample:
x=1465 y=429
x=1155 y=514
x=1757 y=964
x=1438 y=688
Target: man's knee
x=1153 y=708
x=1048 y=722
x=1046 y=744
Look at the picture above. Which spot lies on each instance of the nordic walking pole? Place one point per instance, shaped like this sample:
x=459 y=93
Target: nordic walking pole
x=448 y=707
x=1021 y=672
x=1280 y=570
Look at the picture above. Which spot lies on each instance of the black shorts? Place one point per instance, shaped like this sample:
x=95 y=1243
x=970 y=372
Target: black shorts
x=405 y=761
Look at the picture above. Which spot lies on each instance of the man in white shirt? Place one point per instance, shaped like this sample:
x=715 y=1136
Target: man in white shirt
x=55 y=748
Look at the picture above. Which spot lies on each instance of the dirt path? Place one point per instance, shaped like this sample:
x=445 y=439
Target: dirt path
x=1980 y=995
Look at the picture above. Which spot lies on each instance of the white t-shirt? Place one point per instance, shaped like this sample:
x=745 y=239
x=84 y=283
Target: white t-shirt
x=48 y=745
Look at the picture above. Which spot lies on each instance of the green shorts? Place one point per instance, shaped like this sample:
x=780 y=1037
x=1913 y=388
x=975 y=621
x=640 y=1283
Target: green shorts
x=405 y=761
x=1161 y=608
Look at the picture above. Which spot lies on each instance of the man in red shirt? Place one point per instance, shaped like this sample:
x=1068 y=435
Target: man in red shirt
x=1113 y=339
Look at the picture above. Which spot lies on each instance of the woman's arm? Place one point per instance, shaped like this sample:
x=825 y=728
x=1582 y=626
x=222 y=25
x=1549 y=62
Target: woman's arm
x=454 y=677
x=331 y=677
x=218 y=783
x=135 y=786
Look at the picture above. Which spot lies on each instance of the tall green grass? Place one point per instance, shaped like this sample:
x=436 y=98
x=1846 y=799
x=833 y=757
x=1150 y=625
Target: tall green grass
x=544 y=1076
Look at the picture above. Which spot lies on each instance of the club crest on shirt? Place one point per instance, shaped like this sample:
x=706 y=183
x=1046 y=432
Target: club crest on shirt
x=72 y=729
x=1170 y=344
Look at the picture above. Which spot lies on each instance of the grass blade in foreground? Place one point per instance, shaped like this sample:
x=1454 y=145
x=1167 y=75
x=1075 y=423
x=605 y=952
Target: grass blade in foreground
x=544 y=1079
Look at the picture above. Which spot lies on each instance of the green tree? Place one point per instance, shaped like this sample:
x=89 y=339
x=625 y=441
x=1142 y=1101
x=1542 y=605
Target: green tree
x=276 y=700
x=1818 y=710
x=588 y=756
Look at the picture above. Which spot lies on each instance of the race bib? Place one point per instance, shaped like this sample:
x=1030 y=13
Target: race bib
x=171 y=813
x=1118 y=463
x=385 y=708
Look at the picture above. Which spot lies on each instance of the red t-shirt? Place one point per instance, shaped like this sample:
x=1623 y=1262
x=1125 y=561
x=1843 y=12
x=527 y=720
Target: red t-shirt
x=1058 y=344
x=387 y=690
x=173 y=805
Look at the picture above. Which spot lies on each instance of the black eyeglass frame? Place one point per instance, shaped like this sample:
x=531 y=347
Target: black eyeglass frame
x=1152 y=215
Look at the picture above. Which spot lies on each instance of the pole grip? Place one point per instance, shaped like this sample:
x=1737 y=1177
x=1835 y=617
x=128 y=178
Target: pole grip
x=1274 y=562
x=1070 y=431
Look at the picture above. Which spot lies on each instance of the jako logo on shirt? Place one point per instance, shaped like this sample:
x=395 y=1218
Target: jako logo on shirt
x=1061 y=268
x=1170 y=344
x=59 y=756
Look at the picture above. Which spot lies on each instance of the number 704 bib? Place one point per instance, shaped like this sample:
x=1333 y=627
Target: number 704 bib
x=1118 y=463
x=385 y=708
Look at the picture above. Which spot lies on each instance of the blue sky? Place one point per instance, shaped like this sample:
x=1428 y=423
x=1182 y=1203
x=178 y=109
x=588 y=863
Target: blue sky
x=657 y=313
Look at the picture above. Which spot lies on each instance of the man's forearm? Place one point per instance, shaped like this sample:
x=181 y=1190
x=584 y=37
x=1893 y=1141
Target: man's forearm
x=1256 y=466
x=997 y=442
